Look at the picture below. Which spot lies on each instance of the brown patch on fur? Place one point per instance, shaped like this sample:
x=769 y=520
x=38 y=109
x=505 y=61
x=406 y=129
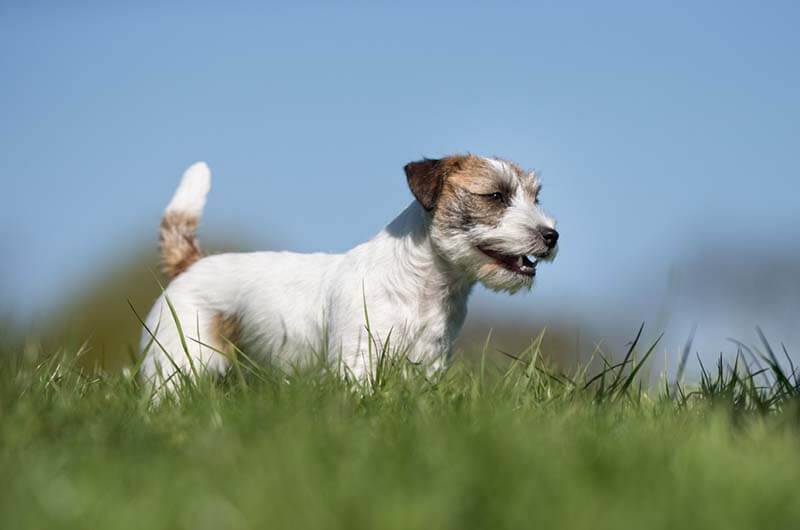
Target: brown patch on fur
x=226 y=331
x=464 y=201
x=473 y=174
x=427 y=177
x=457 y=189
x=178 y=243
x=478 y=175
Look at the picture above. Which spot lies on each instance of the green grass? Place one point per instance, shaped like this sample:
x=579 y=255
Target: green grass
x=481 y=447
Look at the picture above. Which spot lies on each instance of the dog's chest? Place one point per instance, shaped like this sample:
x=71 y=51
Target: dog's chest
x=436 y=329
x=425 y=326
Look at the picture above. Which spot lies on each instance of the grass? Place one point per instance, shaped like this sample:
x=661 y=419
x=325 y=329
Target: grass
x=480 y=447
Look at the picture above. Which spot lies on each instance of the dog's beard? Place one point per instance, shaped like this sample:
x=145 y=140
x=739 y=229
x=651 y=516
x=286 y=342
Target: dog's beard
x=506 y=260
x=460 y=250
x=497 y=278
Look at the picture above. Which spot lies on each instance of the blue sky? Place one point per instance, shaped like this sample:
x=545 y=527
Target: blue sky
x=657 y=128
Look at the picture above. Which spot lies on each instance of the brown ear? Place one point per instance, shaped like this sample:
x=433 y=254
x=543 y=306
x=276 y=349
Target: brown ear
x=426 y=178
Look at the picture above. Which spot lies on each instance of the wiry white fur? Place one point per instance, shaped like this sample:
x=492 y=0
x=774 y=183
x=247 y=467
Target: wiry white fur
x=190 y=197
x=410 y=279
x=501 y=167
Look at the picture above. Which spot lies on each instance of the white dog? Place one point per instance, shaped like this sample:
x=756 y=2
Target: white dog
x=473 y=219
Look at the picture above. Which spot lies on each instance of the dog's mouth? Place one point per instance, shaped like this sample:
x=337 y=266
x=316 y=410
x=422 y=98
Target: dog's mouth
x=518 y=264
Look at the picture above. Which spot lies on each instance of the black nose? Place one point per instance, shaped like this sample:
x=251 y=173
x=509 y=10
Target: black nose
x=550 y=236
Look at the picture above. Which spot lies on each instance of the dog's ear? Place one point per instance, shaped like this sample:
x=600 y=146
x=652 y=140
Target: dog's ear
x=426 y=178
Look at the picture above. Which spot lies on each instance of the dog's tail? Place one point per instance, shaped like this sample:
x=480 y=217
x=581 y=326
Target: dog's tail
x=178 y=238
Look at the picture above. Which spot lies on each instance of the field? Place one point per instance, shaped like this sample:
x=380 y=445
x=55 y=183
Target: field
x=483 y=446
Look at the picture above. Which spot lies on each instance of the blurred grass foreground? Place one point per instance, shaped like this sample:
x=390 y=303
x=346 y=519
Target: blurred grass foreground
x=479 y=447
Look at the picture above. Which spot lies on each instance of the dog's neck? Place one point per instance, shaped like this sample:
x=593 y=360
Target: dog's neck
x=419 y=275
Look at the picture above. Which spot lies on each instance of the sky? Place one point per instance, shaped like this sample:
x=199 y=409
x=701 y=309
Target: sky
x=658 y=128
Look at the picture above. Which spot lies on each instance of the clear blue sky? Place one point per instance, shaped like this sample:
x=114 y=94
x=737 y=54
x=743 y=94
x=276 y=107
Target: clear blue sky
x=656 y=127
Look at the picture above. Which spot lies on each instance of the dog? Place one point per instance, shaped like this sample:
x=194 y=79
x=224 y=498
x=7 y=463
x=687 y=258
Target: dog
x=473 y=219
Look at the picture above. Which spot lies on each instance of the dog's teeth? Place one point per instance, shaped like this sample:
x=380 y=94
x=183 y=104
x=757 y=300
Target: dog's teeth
x=519 y=261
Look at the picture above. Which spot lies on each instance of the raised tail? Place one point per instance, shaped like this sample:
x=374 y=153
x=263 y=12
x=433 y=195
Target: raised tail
x=178 y=235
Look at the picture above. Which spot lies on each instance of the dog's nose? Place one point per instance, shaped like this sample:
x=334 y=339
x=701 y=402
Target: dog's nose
x=550 y=236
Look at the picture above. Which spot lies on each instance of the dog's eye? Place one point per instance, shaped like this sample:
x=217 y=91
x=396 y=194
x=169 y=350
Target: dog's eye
x=496 y=197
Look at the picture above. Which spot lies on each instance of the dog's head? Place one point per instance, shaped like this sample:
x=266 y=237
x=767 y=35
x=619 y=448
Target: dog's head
x=486 y=218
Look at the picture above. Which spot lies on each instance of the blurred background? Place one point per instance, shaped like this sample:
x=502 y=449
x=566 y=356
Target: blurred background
x=667 y=137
